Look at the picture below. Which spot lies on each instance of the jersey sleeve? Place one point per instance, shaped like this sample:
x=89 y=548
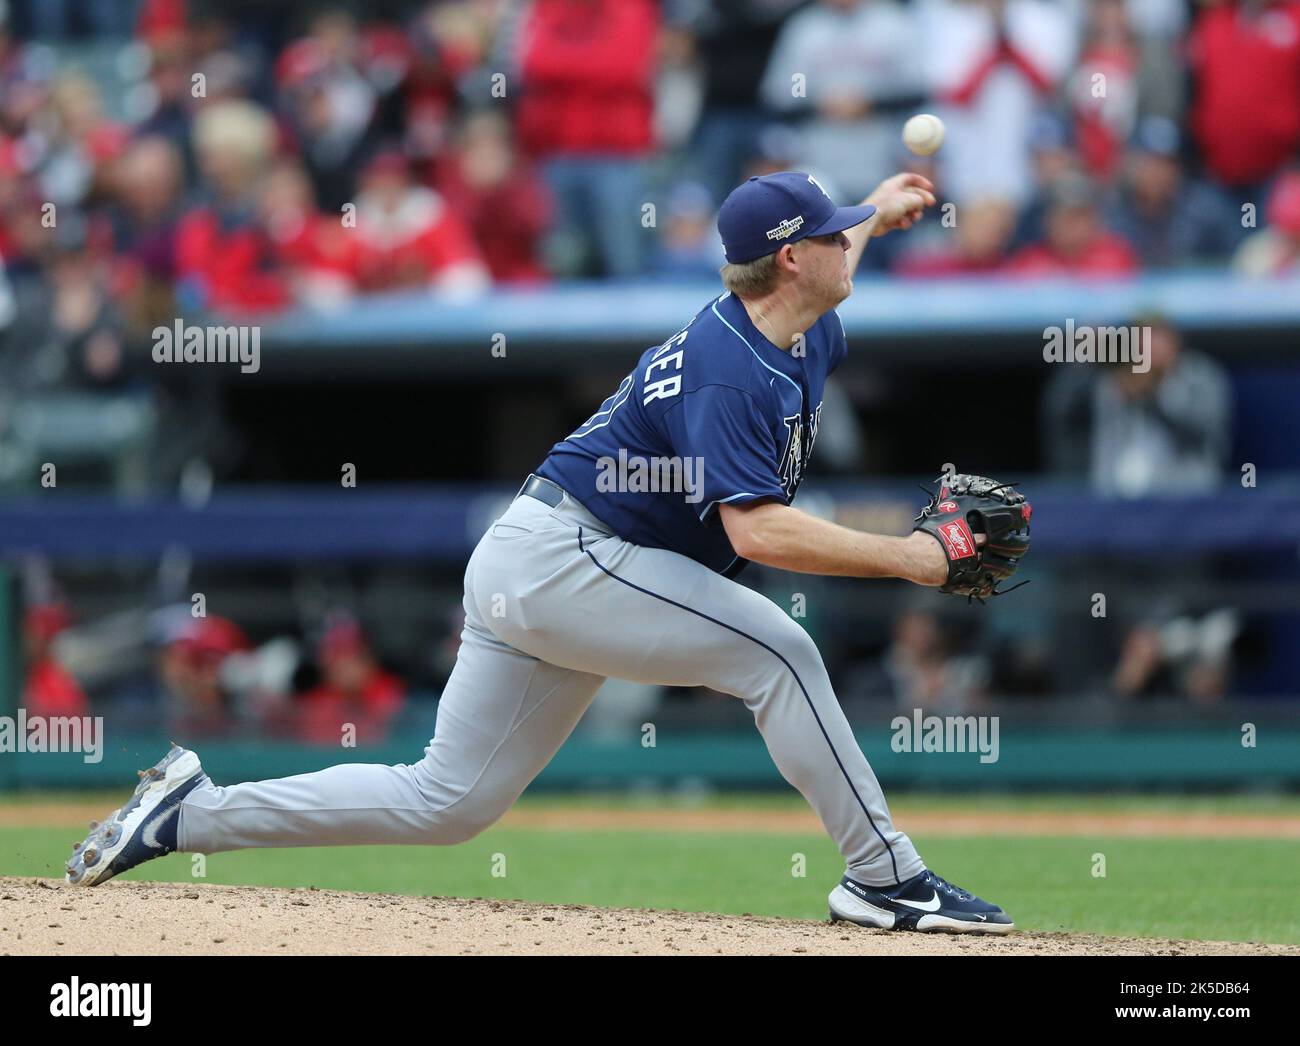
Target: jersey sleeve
x=724 y=429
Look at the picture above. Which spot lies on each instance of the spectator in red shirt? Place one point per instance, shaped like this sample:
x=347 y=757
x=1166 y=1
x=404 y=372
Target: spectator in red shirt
x=198 y=702
x=222 y=253
x=50 y=689
x=586 y=112
x=1075 y=242
x=406 y=236
x=979 y=244
x=354 y=689
x=1245 y=57
x=505 y=205
x=1104 y=89
x=315 y=251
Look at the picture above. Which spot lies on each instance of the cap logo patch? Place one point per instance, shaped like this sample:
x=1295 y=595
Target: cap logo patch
x=788 y=227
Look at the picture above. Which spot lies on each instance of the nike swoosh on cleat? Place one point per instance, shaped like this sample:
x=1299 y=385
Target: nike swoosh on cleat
x=150 y=834
x=981 y=918
x=932 y=905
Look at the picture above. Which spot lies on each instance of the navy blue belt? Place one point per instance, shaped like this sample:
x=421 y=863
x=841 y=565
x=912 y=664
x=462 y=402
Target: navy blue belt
x=543 y=490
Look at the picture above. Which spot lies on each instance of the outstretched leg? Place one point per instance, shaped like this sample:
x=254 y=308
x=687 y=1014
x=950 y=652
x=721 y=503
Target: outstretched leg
x=502 y=716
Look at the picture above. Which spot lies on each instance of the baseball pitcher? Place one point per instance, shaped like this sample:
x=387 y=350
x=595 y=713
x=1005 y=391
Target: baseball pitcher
x=593 y=571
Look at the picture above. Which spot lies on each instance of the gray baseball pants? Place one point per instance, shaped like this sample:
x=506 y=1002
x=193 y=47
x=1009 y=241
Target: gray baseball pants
x=554 y=603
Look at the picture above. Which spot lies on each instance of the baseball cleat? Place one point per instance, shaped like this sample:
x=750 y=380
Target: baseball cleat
x=142 y=829
x=926 y=902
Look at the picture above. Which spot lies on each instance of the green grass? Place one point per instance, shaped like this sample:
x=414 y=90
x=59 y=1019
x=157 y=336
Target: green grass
x=1218 y=889
x=1271 y=803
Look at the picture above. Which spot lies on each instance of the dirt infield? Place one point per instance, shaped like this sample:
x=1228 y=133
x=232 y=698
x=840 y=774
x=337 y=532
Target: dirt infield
x=45 y=917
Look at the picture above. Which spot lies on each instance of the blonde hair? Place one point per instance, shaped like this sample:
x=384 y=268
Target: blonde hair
x=237 y=127
x=751 y=279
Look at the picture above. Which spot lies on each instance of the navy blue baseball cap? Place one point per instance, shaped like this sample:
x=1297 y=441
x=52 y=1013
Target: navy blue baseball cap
x=763 y=214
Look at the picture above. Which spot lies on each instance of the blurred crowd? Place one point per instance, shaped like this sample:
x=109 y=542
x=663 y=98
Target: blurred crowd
x=162 y=157
x=204 y=677
x=159 y=155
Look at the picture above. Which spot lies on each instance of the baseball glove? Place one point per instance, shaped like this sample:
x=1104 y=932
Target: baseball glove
x=968 y=505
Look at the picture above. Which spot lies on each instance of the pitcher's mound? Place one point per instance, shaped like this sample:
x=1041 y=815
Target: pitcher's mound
x=45 y=917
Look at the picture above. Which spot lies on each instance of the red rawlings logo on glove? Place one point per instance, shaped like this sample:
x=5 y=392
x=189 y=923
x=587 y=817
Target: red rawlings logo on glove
x=946 y=506
x=957 y=539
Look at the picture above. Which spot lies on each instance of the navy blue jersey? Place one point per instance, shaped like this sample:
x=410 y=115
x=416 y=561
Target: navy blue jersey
x=715 y=415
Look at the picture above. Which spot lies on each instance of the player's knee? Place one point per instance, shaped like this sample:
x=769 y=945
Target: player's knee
x=792 y=659
x=454 y=832
x=463 y=821
x=794 y=649
x=451 y=814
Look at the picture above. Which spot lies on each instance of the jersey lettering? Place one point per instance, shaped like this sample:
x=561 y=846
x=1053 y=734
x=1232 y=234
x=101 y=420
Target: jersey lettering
x=798 y=451
x=748 y=409
x=674 y=361
x=664 y=388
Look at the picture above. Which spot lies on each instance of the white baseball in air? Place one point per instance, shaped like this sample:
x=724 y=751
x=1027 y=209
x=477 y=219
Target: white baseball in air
x=923 y=134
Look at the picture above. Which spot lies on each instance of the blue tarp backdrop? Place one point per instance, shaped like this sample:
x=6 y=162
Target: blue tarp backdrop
x=442 y=523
